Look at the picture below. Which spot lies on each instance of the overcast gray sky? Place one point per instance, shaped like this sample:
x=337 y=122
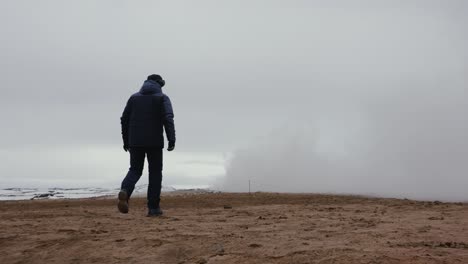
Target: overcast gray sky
x=301 y=95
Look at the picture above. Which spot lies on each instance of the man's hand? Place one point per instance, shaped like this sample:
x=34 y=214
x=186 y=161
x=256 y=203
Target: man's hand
x=125 y=147
x=171 y=146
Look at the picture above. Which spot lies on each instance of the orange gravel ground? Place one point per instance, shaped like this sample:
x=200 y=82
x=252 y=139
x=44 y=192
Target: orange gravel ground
x=235 y=228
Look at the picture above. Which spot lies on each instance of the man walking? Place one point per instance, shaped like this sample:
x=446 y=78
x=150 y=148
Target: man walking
x=144 y=117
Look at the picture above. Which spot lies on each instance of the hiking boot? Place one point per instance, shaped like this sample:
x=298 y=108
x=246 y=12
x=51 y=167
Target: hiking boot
x=123 y=201
x=155 y=212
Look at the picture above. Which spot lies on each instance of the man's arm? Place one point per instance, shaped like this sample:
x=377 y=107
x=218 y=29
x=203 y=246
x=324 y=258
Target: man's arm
x=168 y=121
x=124 y=122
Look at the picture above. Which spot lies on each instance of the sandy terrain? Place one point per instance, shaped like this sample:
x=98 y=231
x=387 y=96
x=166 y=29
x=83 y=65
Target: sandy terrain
x=257 y=228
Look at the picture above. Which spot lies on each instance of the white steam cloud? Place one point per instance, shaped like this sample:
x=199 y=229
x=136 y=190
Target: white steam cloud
x=383 y=113
x=406 y=144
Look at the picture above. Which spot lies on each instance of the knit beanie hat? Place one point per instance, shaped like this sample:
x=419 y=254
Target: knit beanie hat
x=157 y=78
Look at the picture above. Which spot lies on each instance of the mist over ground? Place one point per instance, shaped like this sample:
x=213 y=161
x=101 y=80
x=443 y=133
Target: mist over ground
x=383 y=111
x=417 y=150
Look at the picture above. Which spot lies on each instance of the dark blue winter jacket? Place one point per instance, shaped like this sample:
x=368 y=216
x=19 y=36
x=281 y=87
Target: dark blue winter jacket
x=145 y=115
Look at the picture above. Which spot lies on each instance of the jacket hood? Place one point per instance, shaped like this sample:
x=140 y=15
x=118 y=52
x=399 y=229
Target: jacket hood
x=150 y=87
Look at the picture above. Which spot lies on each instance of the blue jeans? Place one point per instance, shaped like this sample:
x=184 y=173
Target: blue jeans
x=155 y=166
